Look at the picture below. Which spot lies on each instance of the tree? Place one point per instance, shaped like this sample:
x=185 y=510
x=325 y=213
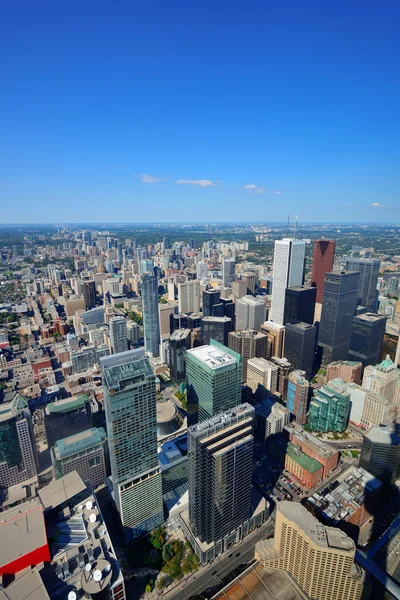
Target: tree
x=157 y=538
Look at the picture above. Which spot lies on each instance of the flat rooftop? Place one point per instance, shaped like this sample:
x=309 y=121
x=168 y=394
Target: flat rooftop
x=212 y=356
x=320 y=534
x=179 y=334
x=341 y=503
x=309 y=440
x=259 y=583
x=80 y=441
x=22 y=530
x=61 y=490
x=381 y=434
x=261 y=363
x=28 y=587
x=309 y=464
x=371 y=317
x=67 y=404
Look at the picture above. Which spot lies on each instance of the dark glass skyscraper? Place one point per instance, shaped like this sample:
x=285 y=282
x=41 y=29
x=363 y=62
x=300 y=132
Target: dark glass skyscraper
x=151 y=319
x=323 y=257
x=210 y=298
x=338 y=309
x=300 y=339
x=216 y=328
x=220 y=456
x=369 y=273
x=366 y=341
x=300 y=304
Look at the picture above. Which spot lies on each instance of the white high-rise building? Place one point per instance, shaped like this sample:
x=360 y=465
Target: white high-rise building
x=228 y=271
x=250 y=313
x=201 y=270
x=288 y=272
x=189 y=296
x=118 y=336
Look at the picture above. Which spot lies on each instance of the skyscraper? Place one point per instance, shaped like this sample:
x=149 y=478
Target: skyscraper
x=214 y=375
x=228 y=271
x=179 y=342
x=288 y=272
x=189 y=296
x=380 y=453
x=319 y=558
x=298 y=395
x=323 y=257
x=369 y=273
x=250 y=313
x=276 y=337
x=210 y=299
x=118 y=335
x=89 y=293
x=130 y=406
x=300 y=341
x=249 y=344
x=338 y=309
x=216 y=328
x=300 y=304
x=18 y=455
x=201 y=270
x=366 y=341
x=262 y=376
x=151 y=320
x=220 y=456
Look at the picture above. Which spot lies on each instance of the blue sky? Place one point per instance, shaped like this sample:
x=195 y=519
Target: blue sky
x=166 y=111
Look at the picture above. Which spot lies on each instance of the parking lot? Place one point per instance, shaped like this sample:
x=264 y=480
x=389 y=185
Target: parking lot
x=274 y=481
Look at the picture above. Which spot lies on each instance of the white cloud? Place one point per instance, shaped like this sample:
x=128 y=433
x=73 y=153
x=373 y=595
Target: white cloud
x=278 y=192
x=376 y=205
x=254 y=189
x=151 y=179
x=251 y=186
x=198 y=182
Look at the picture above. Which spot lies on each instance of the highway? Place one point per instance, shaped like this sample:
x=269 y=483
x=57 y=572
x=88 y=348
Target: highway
x=213 y=574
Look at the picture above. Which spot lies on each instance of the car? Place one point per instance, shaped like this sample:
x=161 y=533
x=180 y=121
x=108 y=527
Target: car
x=214 y=573
x=237 y=554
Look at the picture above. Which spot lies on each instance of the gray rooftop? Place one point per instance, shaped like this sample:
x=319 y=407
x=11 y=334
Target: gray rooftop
x=326 y=537
x=125 y=369
x=383 y=434
x=28 y=587
x=61 y=490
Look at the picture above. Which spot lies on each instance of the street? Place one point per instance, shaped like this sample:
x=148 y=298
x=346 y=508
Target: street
x=212 y=575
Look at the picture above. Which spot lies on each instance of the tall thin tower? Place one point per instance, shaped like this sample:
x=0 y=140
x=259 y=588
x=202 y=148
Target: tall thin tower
x=288 y=272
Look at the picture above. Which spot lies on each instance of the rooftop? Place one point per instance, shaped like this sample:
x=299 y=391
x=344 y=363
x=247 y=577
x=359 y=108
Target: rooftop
x=28 y=587
x=67 y=404
x=241 y=410
x=383 y=434
x=370 y=317
x=213 y=356
x=179 y=334
x=322 y=536
x=22 y=531
x=79 y=442
x=126 y=369
x=343 y=501
x=261 y=363
x=61 y=490
x=309 y=464
x=311 y=441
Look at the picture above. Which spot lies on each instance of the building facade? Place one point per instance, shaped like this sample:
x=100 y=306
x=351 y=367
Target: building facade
x=262 y=376
x=323 y=258
x=84 y=453
x=338 y=309
x=118 y=335
x=330 y=407
x=300 y=342
x=179 y=342
x=130 y=406
x=189 y=296
x=220 y=456
x=369 y=273
x=214 y=375
x=300 y=304
x=250 y=313
x=67 y=417
x=319 y=558
x=366 y=341
x=288 y=272
x=216 y=328
x=380 y=453
x=249 y=344
x=151 y=319
x=298 y=395
x=348 y=370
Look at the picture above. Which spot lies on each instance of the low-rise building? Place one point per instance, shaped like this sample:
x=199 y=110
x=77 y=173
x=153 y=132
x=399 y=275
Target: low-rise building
x=348 y=370
x=313 y=447
x=306 y=470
